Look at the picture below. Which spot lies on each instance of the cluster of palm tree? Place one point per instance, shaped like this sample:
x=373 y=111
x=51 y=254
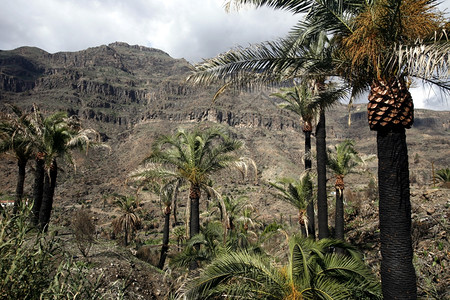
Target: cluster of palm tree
x=229 y=244
x=189 y=157
x=374 y=45
x=31 y=136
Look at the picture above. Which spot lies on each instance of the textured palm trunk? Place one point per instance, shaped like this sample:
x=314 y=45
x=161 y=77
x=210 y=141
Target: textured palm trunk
x=194 y=223
x=310 y=207
x=38 y=189
x=339 y=215
x=390 y=111
x=174 y=204
x=165 y=245
x=20 y=183
x=125 y=236
x=322 y=206
x=397 y=271
x=301 y=222
x=47 y=199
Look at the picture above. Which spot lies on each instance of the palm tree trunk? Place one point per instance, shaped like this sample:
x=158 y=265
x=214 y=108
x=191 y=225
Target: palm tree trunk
x=194 y=223
x=339 y=215
x=38 y=189
x=310 y=208
x=47 y=199
x=194 y=196
x=397 y=271
x=125 y=236
x=20 y=183
x=174 y=203
x=165 y=245
x=321 y=148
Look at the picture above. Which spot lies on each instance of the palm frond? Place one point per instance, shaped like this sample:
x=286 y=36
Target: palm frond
x=344 y=158
x=256 y=278
x=428 y=60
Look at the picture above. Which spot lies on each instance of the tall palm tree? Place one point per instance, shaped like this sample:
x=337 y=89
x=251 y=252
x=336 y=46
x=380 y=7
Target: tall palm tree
x=297 y=193
x=377 y=45
x=300 y=100
x=56 y=136
x=166 y=195
x=342 y=161
x=312 y=273
x=192 y=157
x=16 y=138
x=273 y=62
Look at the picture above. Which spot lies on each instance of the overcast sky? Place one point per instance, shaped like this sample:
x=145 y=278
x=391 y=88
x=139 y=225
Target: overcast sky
x=190 y=29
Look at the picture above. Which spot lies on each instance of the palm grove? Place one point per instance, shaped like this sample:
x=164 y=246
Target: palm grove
x=33 y=136
x=374 y=45
x=338 y=48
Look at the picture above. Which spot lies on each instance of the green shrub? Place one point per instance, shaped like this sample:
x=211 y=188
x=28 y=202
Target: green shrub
x=34 y=266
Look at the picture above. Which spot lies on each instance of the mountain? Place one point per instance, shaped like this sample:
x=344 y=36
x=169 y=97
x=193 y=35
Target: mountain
x=132 y=94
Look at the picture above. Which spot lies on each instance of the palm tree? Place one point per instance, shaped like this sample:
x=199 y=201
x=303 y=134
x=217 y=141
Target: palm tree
x=192 y=157
x=228 y=207
x=342 y=161
x=312 y=273
x=129 y=220
x=15 y=137
x=377 y=45
x=209 y=237
x=374 y=40
x=297 y=193
x=299 y=99
x=56 y=136
x=166 y=196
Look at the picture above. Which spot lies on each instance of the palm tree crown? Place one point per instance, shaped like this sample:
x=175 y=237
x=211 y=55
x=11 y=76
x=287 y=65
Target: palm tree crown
x=312 y=273
x=191 y=157
x=300 y=100
x=297 y=193
x=343 y=159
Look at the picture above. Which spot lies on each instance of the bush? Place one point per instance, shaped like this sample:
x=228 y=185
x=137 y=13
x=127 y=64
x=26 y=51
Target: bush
x=34 y=266
x=83 y=230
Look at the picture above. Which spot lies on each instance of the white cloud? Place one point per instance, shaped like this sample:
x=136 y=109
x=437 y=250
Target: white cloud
x=429 y=97
x=193 y=29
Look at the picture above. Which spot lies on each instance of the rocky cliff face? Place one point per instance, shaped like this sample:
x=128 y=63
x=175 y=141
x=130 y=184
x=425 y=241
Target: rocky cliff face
x=122 y=85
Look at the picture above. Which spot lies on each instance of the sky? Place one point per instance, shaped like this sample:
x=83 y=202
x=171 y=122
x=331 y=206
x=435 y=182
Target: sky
x=190 y=29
